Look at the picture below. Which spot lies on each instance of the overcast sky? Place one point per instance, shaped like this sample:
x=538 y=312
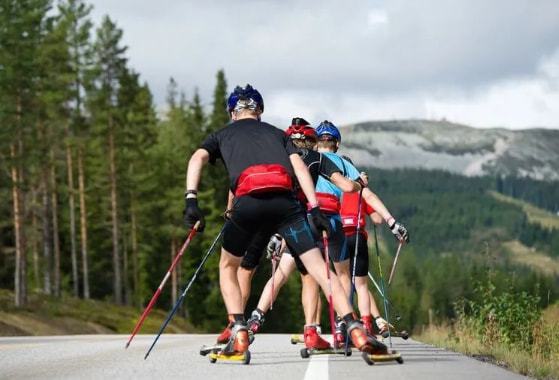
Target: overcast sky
x=479 y=62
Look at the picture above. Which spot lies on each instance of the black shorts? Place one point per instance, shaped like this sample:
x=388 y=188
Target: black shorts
x=256 y=249
x=362 y=263
x=259 y=213
x=337 y=247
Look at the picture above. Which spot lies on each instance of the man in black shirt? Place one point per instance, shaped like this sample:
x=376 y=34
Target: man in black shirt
x=261 y=162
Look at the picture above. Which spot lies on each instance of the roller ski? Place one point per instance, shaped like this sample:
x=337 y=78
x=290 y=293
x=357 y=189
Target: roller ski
x=382 y=328
x=215 y=348
x=236 y=349
x=372 y=349
x=316 y=345
x=297 y=339
x=371 y=359
x=396 y=334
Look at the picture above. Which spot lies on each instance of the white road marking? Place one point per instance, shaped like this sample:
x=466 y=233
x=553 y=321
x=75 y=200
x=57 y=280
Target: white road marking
x=318 y=368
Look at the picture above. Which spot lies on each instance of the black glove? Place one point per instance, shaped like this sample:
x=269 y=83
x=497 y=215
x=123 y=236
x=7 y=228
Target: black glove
x=192 y=214
x=399 y=231
x=320 y=221
x=227 y=214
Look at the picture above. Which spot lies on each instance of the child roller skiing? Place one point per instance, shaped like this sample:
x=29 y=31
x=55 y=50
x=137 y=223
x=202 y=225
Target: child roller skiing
x=261 y=162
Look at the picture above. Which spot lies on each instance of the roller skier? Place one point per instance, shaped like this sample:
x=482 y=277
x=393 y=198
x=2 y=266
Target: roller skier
x=329 y=139
x=261 y=163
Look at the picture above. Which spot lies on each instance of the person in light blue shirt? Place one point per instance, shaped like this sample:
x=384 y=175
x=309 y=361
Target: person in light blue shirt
x=329 y=197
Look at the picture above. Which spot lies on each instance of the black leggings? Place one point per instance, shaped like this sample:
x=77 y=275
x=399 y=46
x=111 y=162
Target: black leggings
x=362 y=263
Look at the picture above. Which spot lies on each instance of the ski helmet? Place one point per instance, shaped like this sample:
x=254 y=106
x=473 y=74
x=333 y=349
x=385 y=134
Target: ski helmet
x=300 y=129
x=250 y=97
x=327 y=128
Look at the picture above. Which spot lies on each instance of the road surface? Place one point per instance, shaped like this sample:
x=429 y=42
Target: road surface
x=177 y=356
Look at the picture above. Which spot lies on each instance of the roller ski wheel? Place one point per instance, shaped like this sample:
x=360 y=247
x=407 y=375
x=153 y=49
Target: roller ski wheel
x=234 y=357
x=367 y=359
x=371 y=359
x=297 y=339
x=304 y=353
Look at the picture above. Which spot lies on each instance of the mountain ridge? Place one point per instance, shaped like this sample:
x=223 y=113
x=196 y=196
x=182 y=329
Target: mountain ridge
x=458 y=148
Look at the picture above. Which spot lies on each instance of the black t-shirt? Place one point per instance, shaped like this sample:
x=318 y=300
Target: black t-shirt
x=318 y=164
x=248 y=142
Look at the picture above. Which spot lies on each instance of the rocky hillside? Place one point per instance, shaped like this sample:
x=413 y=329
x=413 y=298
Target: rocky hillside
x=457 y=148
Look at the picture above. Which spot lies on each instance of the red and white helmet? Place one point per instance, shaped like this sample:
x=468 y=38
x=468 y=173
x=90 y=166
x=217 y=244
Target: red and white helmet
x=300 y=129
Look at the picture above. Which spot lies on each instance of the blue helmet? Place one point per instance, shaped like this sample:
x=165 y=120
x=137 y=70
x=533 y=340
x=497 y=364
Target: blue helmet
x=252 y=99
x=327 y=128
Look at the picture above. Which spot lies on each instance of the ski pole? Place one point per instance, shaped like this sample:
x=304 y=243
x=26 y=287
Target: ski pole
x=181 y=298
x=398 y=317
x=356 y=250
x=155 y=296
x=274 y=264
x=385 y=299
x=394 y=263
x=330 y=299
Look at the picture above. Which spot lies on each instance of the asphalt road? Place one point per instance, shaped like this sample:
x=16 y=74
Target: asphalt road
x=177 y=356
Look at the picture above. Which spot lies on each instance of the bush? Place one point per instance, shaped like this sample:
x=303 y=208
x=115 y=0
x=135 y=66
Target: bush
x=508 y=318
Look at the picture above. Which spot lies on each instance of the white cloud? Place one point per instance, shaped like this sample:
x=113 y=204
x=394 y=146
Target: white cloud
x=376 y=17
x=475 y=61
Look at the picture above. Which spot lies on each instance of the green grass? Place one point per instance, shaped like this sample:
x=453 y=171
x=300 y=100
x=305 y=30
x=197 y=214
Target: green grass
x=541 y=361
x=47 y=315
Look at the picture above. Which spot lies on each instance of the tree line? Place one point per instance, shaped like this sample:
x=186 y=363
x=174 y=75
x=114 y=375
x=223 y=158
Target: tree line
x=92 y=178
x=92 y=182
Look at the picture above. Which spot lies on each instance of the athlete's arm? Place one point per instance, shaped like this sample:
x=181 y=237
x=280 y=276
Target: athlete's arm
x=374 y=201
x=332 y=172
x=344 y=184
x=304 y=178
x=195 y=165
x=376 y=218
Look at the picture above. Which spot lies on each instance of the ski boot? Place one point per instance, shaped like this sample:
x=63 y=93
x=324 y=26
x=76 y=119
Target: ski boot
x=367 y=321
x=316 y=345
x=313 y=340
x=340 y=334
x=382 y=325
x=236 y=348
x=363 y=342
x=238 y=342
x=223 y=338
x=255 y=321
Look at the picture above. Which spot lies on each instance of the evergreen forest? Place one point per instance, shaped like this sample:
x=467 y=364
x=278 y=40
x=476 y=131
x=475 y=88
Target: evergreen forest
x=92 y=184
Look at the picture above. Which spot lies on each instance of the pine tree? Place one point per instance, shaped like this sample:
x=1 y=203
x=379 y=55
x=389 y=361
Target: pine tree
x=136 y=120
x=109 y=66
x=75 y=17
x=23 y=25
x=53 y=96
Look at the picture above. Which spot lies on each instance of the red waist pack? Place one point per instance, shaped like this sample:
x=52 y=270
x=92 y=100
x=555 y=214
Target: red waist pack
x=264 y=179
